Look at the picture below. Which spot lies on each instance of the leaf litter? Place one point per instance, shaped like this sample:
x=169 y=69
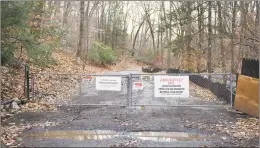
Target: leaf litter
x=10 y=135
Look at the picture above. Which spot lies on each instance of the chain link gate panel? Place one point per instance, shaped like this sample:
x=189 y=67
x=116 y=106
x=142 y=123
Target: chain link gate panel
x=204 y=90
x=134 y=90
x=78 y=89
x=90 y=95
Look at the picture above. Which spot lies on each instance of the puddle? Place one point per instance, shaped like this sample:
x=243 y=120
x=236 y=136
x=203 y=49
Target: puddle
x=106 y=134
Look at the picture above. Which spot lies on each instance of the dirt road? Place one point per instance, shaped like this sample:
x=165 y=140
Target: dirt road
x=111 y=126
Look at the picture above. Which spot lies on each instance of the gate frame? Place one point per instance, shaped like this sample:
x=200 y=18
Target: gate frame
x=127 y=103
x=129 y=89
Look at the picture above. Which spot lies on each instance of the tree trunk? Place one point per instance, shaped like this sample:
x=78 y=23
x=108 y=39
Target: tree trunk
x=151 y=30
x=257 y=18
x=221 y=39
x=49 y=4
x=81 y=31
x=87 y=30
x=166 y=31
x=57 y=7
x=161 y=36
x=158 y=34
x=162 y=52
x=170 y=36
x=103 y=22
x=188 y=15
x=136 y=34
x=141 y=39
x=243 y=11
x=200 y=23
x=209 y=38
x=234 y=13
x=66 y=13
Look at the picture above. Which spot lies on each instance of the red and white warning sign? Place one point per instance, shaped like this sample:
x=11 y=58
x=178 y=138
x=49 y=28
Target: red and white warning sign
x=138 y=85
x=88 y=79
x=171 y=86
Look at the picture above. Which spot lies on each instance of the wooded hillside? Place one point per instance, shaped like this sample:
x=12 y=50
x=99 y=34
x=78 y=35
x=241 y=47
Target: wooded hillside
x=200 y=36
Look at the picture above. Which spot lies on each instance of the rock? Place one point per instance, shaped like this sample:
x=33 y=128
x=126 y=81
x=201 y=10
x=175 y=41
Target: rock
x=23 y=101
x=2 y=107
x=171 y=70
x=7 y=106
x=13 y=111
x=15 y=105
x=3 y=114
x=8 y=115
x=17 y=100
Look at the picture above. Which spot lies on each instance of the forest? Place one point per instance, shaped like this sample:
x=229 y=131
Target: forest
x=48 y=48
x=200 y=36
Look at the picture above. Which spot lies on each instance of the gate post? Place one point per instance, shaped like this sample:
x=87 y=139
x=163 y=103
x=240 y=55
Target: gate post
x=129 y=90
x=27 y=82
x=231 y=93
x=80 y=83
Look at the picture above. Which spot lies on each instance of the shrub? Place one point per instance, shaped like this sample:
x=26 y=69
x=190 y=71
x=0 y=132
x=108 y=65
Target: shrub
x=101 y=53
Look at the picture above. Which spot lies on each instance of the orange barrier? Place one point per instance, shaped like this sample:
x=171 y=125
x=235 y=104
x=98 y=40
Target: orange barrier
x=247 y=94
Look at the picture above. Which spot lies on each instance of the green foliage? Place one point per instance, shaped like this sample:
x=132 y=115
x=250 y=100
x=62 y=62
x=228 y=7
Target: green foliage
x=17 y=30
x=101 y=53
x=7 y=55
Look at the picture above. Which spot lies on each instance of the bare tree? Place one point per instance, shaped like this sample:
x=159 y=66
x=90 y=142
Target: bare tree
x=234 y=13
x=136 y=34
x=221 y=38
x=243 y=10
x=170 y=37
x=209 y=37
x=189 y=23
x=166 y=30
x=147 y=15
x=257 y=18
x=200 y=11
x=81 y=31
x=66 y=12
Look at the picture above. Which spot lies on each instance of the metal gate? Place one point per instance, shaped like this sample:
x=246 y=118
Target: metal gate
x=204 y=90
x=134 y=89
x=79 y=89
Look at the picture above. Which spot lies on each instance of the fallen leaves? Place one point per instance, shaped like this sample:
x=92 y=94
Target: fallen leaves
x=12 y=82
x=51 y=88
x=241 y=129
x=38 y=106
x=10 y=135
x=202 y=93
x=245 y=128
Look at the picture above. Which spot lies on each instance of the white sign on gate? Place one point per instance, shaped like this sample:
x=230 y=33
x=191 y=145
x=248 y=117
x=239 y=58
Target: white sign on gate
x=171 y=86
x=108 y=83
